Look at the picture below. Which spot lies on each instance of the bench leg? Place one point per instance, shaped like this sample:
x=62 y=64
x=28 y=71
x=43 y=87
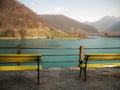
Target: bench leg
x=38 y=77
x=38 y=71
x=84 y=74
x=80 y=71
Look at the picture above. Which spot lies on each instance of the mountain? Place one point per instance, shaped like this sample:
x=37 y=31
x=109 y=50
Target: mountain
x=68 y=25
x=18 y=21
x=104 y=23
x=113 y=31
x=115 y=27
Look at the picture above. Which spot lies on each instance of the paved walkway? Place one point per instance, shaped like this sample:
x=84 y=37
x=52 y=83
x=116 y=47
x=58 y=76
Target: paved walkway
x=61 y=79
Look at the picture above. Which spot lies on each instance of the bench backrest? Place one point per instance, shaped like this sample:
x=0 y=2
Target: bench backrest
x=102 y=56
x=20 y=57
x=115 y=58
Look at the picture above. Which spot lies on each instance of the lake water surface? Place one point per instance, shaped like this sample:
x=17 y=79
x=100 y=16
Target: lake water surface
x=91 y=42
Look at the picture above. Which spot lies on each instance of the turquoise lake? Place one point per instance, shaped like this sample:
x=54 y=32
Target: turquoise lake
x=59 y=45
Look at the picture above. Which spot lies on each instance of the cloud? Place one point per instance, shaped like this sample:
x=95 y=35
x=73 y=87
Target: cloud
x=57 y=9
x=32 y=3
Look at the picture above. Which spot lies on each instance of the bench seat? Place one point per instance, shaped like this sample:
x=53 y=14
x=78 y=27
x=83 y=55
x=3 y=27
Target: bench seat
x=14 y=68
x=103 y=65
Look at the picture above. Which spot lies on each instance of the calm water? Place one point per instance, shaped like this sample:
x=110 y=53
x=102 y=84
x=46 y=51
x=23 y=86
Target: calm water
x=92 y=42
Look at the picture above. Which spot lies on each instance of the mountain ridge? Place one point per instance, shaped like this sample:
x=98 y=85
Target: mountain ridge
x=18 y=21
x=115 y=28
x=104 y=23
x=12 y=9
x=67 y=24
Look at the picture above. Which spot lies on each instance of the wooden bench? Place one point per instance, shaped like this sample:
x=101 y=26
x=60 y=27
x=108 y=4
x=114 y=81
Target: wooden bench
x=84 y=64
x=6 y=59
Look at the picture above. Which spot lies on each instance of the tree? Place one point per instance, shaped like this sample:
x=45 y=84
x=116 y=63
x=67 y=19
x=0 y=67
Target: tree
x=8 y=33
x=23 y=33
x=0 y=24
x=51 y=29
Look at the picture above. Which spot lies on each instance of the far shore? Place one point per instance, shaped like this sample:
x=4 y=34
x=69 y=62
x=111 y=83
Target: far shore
x=10 y=38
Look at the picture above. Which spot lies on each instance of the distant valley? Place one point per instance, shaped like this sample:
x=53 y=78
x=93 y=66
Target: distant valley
x=108 y=24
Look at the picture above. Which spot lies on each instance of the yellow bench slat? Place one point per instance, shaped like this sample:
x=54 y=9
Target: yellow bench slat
x=102 y=54
x=103 y=65
x=12 y=59
x=104 y=58
x=14 y=68
x=19 y=55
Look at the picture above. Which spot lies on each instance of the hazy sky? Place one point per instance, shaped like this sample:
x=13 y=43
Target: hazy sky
x=81 y=10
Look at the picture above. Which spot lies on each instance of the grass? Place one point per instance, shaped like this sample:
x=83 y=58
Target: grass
x=37 y=33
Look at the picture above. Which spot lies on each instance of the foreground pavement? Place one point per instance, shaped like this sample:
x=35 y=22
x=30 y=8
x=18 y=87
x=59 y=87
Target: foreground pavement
x=61 y=79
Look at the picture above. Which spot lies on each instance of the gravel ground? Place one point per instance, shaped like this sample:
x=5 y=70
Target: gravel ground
x=61 y=79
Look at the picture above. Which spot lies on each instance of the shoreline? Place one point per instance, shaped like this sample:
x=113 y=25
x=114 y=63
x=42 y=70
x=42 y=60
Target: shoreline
x=11 y=38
